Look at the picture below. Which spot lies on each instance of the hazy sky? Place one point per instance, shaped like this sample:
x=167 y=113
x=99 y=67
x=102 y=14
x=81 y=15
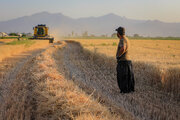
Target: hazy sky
x=164 y=10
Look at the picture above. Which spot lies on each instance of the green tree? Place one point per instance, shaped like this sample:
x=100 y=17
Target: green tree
x=23 y=34
x=92 y=35
x=114 y=35
x=136 y=35
x=104 y=36
x=85 y=34
x=72 y=33
x=13 y=34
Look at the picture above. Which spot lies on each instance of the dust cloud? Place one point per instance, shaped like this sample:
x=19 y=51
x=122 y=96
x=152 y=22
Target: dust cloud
x=57 y=34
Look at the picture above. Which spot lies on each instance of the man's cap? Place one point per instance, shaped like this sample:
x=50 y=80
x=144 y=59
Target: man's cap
x=121 y=30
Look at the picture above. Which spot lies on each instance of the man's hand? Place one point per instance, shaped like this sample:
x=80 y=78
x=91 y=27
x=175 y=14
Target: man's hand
x=121 y=52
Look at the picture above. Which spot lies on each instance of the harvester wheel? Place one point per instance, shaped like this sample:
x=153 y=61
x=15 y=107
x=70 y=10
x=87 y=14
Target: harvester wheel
x=51 y=41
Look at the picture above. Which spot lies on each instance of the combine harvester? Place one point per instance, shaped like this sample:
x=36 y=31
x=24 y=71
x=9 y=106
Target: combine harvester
x=41 y=33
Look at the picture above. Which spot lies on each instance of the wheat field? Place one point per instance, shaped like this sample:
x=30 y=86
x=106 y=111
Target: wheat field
x=10 y=50
x=72 y=80
x=160 y=57
x=156 y=93
x=41 y=92
x=161 y=52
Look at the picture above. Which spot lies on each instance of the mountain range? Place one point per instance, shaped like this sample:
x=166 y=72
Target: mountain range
x=103 y=25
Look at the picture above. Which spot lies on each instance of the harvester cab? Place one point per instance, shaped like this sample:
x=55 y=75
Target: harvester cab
x=41 y=33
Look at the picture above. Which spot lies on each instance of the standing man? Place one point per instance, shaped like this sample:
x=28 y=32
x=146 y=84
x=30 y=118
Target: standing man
x=125 y=75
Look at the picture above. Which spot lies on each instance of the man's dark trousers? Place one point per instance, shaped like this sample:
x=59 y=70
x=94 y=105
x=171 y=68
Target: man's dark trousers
x=125 y=76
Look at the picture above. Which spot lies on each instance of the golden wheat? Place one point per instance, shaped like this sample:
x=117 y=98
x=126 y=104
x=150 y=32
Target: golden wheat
x=42 y=89
x=10 y=50
x=41 y=92
x=94 y=71
x=162 y=54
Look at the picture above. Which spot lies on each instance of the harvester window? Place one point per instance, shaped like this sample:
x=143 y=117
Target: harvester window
x=40 y=31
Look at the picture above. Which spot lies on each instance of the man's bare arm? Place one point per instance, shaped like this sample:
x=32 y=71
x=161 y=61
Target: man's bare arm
x=121 y=51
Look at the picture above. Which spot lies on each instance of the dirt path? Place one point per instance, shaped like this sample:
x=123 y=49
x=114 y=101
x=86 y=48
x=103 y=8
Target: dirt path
x=99 y=74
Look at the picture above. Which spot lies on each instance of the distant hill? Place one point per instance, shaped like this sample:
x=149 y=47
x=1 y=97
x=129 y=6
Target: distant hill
x=106 y=24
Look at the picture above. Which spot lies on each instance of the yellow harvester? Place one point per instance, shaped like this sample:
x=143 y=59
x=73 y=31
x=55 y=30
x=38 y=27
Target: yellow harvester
x=41 y=33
